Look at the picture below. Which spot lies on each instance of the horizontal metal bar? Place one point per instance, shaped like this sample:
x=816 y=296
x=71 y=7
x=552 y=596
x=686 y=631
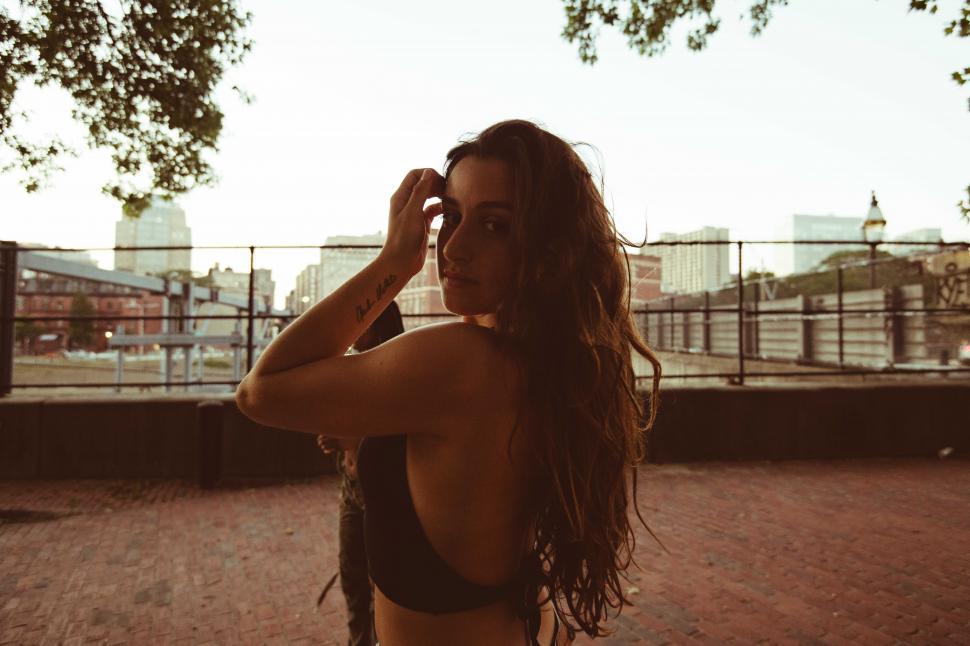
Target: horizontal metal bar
x=864 y=243
x=128 y=384
x=807 y=312
x=180 y=340
x=806 y=373
x=179 y=317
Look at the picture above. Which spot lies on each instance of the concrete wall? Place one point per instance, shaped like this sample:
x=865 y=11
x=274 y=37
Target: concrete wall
x=143 y=436
x=805 y=422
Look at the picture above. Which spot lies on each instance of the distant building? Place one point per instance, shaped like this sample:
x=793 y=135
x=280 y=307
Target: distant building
x=929 y=236
x=645 y=278
x=162 y=224
x=802 y=258
x=43 y=295
x=694 y=268
x=233 y=282
x=306 y=294
x=82 y=257
x=422 y=294
x=339 y=265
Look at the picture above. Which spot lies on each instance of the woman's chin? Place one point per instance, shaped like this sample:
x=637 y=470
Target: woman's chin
x=465 y=307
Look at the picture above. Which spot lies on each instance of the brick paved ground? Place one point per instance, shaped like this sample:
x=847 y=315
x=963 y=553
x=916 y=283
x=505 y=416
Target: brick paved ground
x=872 y=552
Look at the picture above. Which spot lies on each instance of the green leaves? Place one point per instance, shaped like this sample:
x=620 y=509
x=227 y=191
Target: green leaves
x=142 y=79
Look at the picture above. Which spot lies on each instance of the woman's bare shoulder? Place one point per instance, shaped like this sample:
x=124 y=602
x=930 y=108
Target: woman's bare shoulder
x=473 y=345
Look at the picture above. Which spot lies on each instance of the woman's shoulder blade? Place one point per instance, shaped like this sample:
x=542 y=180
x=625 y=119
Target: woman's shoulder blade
x=479 y=352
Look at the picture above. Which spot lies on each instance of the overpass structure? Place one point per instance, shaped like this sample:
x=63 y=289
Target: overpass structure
x=181 y=302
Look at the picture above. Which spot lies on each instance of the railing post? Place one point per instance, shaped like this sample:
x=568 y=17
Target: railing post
x=120 y=366
x=236 y=354
x=8 y=306
x=755 y=346
x=740 y=315
x=646 y=323
x=685 y=338
x=250 y=343
x=707 y=322
x=672 y=345
x=839 y=292
x=896 y=333
x=872 y=265
x=806 y=332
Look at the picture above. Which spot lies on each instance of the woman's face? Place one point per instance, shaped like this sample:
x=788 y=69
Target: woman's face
x=474 y=247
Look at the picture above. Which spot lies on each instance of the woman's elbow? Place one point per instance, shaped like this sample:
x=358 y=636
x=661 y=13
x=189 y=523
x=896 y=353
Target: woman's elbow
x=246 y=400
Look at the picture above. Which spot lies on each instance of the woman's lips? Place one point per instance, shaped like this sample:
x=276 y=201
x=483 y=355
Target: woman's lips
x=457 y=282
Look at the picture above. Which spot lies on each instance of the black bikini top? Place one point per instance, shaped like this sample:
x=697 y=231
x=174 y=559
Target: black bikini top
x=402 y=562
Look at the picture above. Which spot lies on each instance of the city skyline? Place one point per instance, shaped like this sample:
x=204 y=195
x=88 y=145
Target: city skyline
x=741 y=135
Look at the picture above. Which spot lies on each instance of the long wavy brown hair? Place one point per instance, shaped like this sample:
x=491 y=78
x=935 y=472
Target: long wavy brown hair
x=569 y=320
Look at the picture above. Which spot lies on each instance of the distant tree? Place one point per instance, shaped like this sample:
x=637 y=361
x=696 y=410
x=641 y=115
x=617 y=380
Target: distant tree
x=81 y=332
x=142 y=74
x=850 y=257
x=24 y=333
x=647 y=25
x=754 y=274
x=185 y=276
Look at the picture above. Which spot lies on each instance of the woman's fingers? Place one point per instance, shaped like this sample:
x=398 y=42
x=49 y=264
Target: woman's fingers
x=430 y=184
x=403 y=192
x=434 y=210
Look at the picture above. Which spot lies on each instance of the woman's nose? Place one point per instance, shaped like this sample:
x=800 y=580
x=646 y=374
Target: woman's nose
x=458 y=247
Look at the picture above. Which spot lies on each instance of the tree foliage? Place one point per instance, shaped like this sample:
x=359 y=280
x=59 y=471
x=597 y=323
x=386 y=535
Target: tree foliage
x=647 y=25
x=142 y=75
x=81 y=331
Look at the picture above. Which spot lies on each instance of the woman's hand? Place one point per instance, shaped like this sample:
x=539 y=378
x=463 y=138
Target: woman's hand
x=409 y=223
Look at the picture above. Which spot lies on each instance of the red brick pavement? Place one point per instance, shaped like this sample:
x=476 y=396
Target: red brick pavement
x=872 y=552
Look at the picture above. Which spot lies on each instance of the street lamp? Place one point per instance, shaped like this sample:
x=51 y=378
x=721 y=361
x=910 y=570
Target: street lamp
x=873 y=230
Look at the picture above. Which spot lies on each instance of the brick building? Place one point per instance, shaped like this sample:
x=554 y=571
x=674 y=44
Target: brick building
x=422 y=294
x=644 y=278
x=42 y=295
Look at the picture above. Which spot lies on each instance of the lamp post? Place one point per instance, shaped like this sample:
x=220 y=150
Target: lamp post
x=873 y=230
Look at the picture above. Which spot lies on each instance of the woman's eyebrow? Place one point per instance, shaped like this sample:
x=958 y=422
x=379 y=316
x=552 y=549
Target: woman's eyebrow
x=488 y=204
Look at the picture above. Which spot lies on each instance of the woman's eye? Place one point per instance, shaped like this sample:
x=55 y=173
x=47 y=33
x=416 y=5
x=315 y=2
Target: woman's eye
x=450 y=219
x=496 y=226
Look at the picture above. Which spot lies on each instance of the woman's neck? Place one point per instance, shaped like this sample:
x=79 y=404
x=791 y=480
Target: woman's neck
x=483 y=320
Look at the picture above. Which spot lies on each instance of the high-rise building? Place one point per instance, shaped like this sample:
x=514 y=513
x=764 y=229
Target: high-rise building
x=307 y=291
x=339 y=265
x=689 y=268
x=162 y=224
x=929 y=235
x=800 y=258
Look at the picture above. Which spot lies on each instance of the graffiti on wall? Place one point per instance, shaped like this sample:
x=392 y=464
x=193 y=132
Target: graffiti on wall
x=953 y=287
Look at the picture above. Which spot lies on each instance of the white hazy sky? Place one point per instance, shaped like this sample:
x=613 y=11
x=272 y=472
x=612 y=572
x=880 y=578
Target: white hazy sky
x=837 y=97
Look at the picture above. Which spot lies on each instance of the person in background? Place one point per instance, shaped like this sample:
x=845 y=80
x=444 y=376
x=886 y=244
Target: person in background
x=354 y=577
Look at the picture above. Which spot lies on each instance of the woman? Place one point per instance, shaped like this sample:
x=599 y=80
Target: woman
x=499 y=450
x=354 y=577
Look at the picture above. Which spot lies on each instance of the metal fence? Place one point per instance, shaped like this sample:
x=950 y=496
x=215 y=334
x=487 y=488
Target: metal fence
x=887 y=328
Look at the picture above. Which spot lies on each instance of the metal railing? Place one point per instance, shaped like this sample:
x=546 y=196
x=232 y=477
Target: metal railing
x=250 y=310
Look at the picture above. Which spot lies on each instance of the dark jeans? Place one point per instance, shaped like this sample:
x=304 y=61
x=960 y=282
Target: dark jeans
x=354 y=578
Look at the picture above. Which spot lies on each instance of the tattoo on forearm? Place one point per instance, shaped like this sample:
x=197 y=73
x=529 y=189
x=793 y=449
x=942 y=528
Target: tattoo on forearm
x=382 y=288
